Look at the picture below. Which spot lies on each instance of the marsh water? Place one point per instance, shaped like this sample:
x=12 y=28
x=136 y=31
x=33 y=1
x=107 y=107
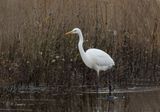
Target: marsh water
x=45 y=98
x=34 y=49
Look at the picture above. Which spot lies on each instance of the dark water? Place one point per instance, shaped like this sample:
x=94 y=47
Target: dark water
x=47 y=99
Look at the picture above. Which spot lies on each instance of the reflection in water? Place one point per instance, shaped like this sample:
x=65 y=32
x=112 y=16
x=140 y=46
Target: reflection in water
x=46 y=99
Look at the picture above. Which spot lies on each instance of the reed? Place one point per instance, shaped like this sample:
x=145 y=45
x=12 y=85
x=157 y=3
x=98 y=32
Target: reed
x=33 y=48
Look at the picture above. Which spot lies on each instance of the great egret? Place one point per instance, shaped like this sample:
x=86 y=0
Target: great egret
x=93 y=58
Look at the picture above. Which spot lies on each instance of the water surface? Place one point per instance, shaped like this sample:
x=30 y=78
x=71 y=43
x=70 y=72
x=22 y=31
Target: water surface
x=48 y=99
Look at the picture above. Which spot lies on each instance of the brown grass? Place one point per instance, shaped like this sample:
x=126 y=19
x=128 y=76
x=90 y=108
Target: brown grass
x=33 y=47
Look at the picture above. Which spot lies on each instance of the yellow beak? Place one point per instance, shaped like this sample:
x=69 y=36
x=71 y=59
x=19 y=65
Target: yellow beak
x=70 y=32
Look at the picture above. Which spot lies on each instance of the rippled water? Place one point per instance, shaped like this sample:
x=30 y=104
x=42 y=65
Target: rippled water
x=47 y=99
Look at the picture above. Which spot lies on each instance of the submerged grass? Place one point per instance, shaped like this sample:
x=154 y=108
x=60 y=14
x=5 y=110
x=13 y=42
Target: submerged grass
x=33 y=48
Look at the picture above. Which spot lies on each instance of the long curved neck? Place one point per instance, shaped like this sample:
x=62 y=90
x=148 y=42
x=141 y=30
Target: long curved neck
x=80 y=45
x=81 y=50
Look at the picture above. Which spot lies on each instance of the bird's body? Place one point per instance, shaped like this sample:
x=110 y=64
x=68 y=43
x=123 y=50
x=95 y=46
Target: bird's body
x=99 y=60
x=93 y=58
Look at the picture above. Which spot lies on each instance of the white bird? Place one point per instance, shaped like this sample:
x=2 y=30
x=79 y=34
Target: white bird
x=93 y=58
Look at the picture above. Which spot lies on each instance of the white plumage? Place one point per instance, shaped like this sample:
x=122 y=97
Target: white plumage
x=101 y=60
x=93 y=58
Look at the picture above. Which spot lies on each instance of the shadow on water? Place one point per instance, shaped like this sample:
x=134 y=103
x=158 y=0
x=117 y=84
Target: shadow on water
x=48 y=99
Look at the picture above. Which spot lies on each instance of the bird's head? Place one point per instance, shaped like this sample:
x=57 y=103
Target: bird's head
x=74 y=31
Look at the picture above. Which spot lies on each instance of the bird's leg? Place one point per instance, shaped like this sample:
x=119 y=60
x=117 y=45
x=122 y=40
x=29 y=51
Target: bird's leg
x=97 y=85
x=110 y=89
x=97 y=82
x=109 y=85
x=97 y=91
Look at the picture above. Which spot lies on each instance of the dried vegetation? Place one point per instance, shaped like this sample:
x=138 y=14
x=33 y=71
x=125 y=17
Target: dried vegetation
x=33 y=48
